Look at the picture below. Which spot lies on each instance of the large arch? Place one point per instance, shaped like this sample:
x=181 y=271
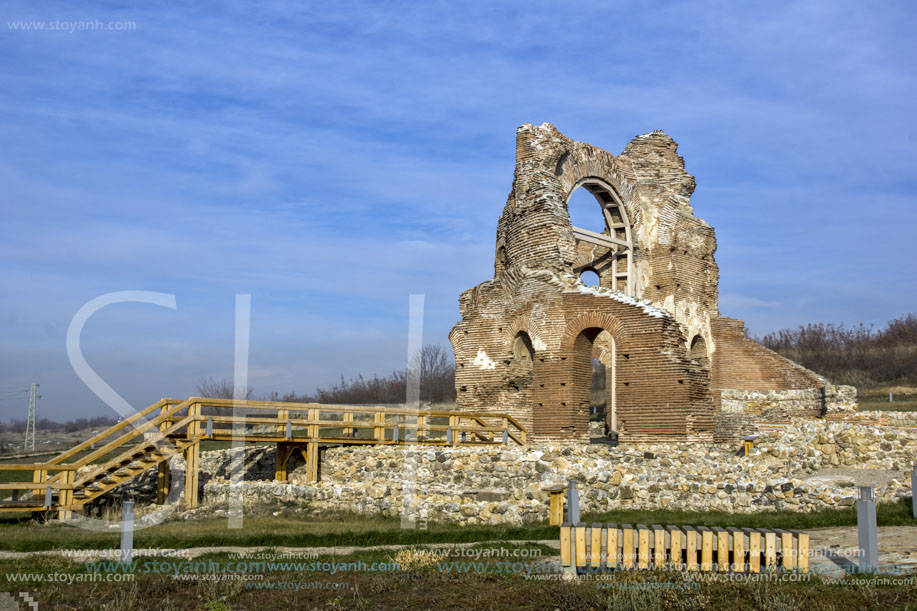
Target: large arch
x=609 y=253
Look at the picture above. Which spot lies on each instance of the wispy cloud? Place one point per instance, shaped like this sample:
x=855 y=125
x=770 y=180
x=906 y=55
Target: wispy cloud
x=331 y=159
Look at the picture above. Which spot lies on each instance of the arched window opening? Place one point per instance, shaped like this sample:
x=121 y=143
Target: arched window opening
x=590 y=278
x=520 y=367
x=698 y=351
x=522 y=348
x=606 y=226
x=584 y=213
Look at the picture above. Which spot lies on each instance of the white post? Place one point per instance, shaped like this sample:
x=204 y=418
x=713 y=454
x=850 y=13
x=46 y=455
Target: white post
x=127 y=532
x=867 y=533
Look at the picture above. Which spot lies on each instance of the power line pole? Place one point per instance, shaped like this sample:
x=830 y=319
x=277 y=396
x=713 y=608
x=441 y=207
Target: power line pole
x=33 y=416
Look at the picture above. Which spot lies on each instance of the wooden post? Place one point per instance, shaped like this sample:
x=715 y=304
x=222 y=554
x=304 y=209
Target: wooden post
x=754 y=550
x=595 y=545
x=770 y=550
x=312 y=461
x=722 y=549
x=749 y=444
x=282 y=416
x=611 y=547
x=379 y=428
x=312 y=429
x=565 y=544
x=280 y=466
x=163 y=482
x=453 y=421
x=194 y=428
x=627 y=541
x=347 y=431
x=674 y=547
x=690 y=549
x=165 y=424
x=658 y=546
x=643 y=560
x=421 y=429
x=192 y=457
x=738 y=549
x=556 y=509
x=706 y=550
x=65 y=498
x=802 y=551
x=580 y=535
x=786 y=550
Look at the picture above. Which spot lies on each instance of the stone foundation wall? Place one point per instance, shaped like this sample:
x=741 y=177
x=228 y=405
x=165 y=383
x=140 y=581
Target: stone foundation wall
x=807 y=402
x=504 y=484
x=840 y=399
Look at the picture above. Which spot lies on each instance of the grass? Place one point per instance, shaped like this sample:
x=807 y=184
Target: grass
x=887 y=514
x=426 y=585
x=900 y=404
x=356 y=530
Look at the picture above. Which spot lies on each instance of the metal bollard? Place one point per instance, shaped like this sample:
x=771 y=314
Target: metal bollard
x=395 y=430
x=867 y=533
x=913 y=495
x=572 y=503
x=127 y=532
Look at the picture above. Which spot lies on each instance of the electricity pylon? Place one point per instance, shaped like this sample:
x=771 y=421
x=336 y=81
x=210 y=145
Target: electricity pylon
x=33 y=417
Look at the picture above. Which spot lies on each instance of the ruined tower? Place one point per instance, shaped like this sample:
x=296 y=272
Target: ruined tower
x=527 y=337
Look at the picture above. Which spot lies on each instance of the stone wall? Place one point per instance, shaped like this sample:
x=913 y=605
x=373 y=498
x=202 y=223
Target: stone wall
x=504 y=484
x=807 y=402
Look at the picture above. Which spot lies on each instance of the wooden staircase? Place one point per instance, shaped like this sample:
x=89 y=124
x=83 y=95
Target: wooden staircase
x=168 y=428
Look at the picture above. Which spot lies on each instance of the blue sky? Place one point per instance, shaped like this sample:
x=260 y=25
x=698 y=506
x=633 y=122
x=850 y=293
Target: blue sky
x=333 y=158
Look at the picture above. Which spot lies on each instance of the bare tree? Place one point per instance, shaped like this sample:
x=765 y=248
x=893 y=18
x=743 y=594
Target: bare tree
x=218 y=389
x=437 y=382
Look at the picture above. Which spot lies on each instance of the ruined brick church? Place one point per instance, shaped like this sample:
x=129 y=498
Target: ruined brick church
x=675 y=368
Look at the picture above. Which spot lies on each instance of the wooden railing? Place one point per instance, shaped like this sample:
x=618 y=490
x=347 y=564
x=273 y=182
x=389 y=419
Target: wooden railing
x=739 y=550
x=169 y=426
x=354 y=424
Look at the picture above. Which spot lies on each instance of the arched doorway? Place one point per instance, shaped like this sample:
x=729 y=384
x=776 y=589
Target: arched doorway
x=607 y=227
x=594 y=376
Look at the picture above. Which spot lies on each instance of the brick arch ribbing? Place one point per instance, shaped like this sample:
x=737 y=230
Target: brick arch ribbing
x=589 y=320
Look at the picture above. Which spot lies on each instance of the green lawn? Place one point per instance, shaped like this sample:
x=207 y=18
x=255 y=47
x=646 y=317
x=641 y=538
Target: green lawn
x=483 y=584
x=900 y=404
x=355 y=530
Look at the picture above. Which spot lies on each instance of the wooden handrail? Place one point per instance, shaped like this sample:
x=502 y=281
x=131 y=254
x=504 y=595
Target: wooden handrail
x=127 y=452
x=111 y=430
x=369 y=409
x=37 y=467
x=135 y=432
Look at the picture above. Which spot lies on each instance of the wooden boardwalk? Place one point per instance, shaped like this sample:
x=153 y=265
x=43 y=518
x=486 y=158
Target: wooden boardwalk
x=169 y=428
